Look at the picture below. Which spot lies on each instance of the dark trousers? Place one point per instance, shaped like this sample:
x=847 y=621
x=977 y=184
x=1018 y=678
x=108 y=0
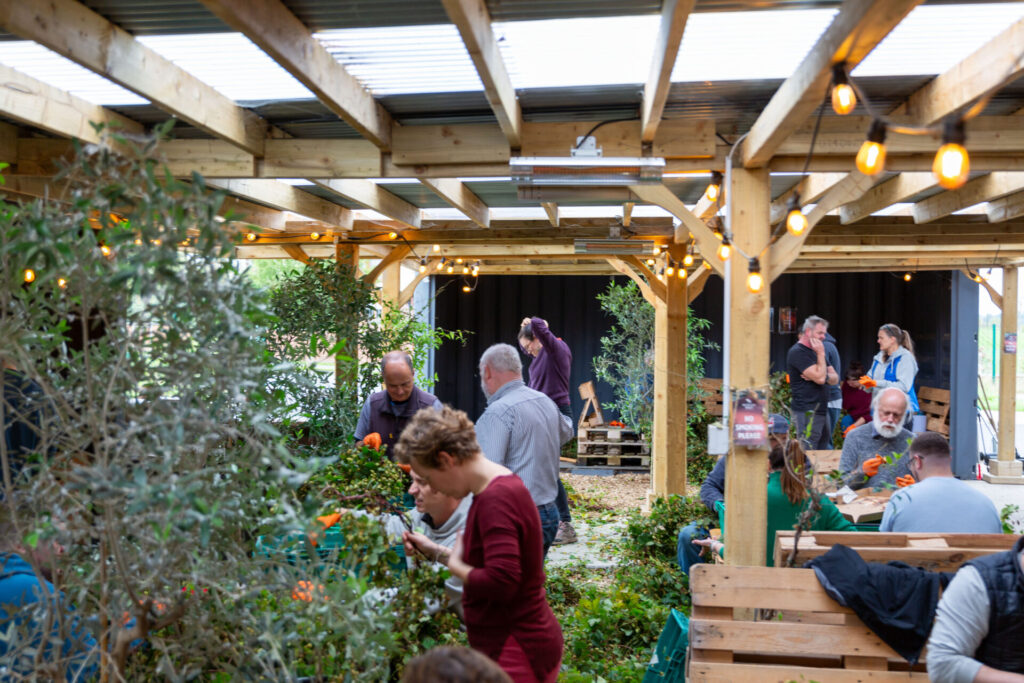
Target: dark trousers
x=548 y=524
x=562 y=499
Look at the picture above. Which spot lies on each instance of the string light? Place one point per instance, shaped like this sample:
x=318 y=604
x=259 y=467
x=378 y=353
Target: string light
x=476 y=269
x=458 y=260
x=29 y=275
x=871 y=156
x=681 y=272
x=843 y=98
x=796 y=221
x=62 y=283
x=436 y=248
x=138 y=241
x=465 y=270
x=423 y=265
x=715 y=188
x=656 y=250
x=650 y=262
x=755 y=281
x=952 y=164
x=251 y=237
x=467 y=289
x=670 y=269
x=906 y=277
x=392 y=235
x=314 y=236
x=450 y=269
x=977 y=277
x=724 y=249
x=688 y=259
x=440 y=264
x=105 y=250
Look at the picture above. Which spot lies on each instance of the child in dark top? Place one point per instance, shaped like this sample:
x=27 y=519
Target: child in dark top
x=856 y=398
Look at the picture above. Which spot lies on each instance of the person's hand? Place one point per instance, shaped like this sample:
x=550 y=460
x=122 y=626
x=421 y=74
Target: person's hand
x=456 y=554
x=907 y=480
x=817 y=346
x=848 y=430
x=871 y=465
x=867 y=382
x=710 y=543
x=416 y=542
x=525 y=321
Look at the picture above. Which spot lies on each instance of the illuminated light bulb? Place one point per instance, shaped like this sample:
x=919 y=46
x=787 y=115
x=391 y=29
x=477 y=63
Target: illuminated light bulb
x=156 y=243
x=656 y=250
x=681 y=273
x=755 y=281
x=871 y=156
x=670 y=270
x=440 y=264
x=688 y=259
x=251 y=237
x=977 y=278
x=423 y=265
x=458 y=260
x=29 y=275
x=843 y=98
x=714 y=190
x=650 y=262
x=796 y=221
x=465 y=270
x=138 y=241
x=314 y=236
x=450 y=269
x=906 y=277
x=467 y=289
x=105 y=250
x=724 y=249
x=476 y=271
x=952 y=164
x=62 y=283
x=392 y=235
x=718 y=232
x=436 y=248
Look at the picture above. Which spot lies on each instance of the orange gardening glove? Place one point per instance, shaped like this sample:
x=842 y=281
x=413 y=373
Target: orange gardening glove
x=907 y=480
x=404 y=467
x=329 y=520
x=866 y=381
x=871 y=465
x=372 y=440
x=848 y=430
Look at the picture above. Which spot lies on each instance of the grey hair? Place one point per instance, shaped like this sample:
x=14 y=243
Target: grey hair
x=813 y=321
x=878 y=397
x=396 y=357
x=502 y=358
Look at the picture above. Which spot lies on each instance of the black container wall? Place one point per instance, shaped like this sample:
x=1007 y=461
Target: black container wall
x=492 y=314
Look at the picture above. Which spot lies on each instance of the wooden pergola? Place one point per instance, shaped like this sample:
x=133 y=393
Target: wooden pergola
x=246 y=154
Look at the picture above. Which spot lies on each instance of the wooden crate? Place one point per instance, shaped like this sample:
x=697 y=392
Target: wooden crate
x=612 y=448
x=931 y=551
x=935 y=404
x=613 y=460
x=592 y=434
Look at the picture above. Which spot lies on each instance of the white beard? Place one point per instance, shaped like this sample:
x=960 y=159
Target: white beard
x=483 y=386
x=887 y=431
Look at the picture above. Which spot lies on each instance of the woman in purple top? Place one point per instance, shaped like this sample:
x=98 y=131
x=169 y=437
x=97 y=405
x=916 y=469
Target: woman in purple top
x=549 y=374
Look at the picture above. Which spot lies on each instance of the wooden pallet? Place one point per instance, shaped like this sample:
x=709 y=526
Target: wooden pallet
x=613 y=460
x=613 y=448
x=591 y=434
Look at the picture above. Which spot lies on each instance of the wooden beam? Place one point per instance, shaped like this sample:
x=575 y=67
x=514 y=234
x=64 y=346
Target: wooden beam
x=645 y=290
x=858 y=27
x=398 y=253
x=659 y=195
x=983 y=189
x=240 y=211
x=996 y=297
x=627 y=213
x=462 y=198
x=675 y=139
x=656 y=283
x=474 y=23
x=696 y=281
x=1007 y=208
x=810 y=188
x=1007 y=469
x=988 y=68
x=674 y=14
x=788 y=247
x=481 y=143
x=885 y=194
x=288 y=198
x=318 y=158
x=749 y=333
x=668 y=447
x=279 y=33
x=296 y=252
x=551 y=209
x=407 y=293
x=56 y=111
x=373 y=196
x=72 y=30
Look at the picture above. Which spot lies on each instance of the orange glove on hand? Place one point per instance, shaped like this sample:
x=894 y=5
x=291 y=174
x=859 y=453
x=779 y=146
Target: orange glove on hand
x=866 y=381
x=907 y=480
x=848 y=430
x=871 y=465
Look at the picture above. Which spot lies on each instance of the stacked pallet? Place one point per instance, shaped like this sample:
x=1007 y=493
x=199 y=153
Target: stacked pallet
x=606 y=446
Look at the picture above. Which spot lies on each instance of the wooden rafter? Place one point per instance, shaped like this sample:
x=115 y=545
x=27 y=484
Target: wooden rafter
x=297 y=253
x=474 y=23
x=656 y=284
x=883 y=195
x=809 y=188
x=674 y=14
x=645 y=289
x=660 y=195
x=373 y=196
x=288 y=198
x=551 y=209
x=1006 y=209
x=394 y=256
x=983 y=189
x=462 y=198
x=858 y=27
x=72 y=30
x=627 y=213
x=279 y=33
x=410 y=289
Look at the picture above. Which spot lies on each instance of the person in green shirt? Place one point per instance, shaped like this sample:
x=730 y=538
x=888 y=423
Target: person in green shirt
x=787 y=499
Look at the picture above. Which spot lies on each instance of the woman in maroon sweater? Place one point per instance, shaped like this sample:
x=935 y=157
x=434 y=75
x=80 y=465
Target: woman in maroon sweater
x=500 y=556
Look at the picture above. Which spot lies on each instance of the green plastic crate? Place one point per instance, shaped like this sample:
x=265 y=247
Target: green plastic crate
x=296 y=547
x=668 y=663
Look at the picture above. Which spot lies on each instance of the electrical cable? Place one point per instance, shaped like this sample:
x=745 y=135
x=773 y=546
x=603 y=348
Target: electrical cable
x=598 y=125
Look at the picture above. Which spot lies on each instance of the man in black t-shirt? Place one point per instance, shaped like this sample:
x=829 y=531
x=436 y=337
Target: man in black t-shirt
x=809 y=377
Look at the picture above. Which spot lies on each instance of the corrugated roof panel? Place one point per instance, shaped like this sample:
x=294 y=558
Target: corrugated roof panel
x=404 y=59
x=49 y=67
x=323 y=15
x=533 y=10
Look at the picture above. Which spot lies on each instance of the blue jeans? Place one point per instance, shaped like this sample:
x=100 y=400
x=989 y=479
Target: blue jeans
x=688 y=554
x=562 y=499
x=548 y=524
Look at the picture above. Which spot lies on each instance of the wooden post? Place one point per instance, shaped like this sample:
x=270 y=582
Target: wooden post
x=1007 y=469
x=391 y=288
x=346 y=372
x=747 y=469
x=668 y=461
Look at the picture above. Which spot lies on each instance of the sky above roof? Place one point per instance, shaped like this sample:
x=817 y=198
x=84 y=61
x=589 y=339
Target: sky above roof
x=544 y=54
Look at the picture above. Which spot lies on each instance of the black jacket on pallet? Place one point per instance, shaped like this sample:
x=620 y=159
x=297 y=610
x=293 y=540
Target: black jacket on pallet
x=896 y=601
x=1003 y=647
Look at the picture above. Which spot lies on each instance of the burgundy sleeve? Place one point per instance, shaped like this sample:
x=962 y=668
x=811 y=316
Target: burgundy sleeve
x=502 y=572
x=540 y=330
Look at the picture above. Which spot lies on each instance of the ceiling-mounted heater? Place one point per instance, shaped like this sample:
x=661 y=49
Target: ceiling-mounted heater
x=583 y=171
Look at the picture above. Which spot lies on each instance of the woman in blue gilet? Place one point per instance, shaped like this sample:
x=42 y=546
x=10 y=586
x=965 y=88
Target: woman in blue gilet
x=894 y=364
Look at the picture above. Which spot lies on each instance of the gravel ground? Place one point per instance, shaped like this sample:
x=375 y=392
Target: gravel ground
x=618 y=492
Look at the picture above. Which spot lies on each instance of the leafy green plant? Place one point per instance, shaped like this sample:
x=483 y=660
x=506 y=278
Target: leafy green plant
x=1006 y=516
x=356 y=471
x=654 y=535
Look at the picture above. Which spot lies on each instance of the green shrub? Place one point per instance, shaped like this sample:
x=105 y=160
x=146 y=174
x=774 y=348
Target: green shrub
x=357 y=471
x=654 y=535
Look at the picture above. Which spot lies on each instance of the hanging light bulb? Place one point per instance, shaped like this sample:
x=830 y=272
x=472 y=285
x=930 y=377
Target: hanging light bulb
x=465 y=270
x=656 y=250
x=476 y=269
x=977 y=277
x=796 y=221
x=650 y=262
x=458 y=260
x=450 y=269
x=251 y=237
x=714 y=190
x=871 y=156
x=440 y=264
x=688 y=259
x=681 y=273
x=755 y=281
x=952 y=164
x=314 y=236
x=467 y=289
x=670 y=269
x=105 y=250
x=436 y=248
x=392 y=235
x=906 y=277
x=423 y=265
x=843 y=98
x=62 y=283
x=29 y=275
x=724 y=249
